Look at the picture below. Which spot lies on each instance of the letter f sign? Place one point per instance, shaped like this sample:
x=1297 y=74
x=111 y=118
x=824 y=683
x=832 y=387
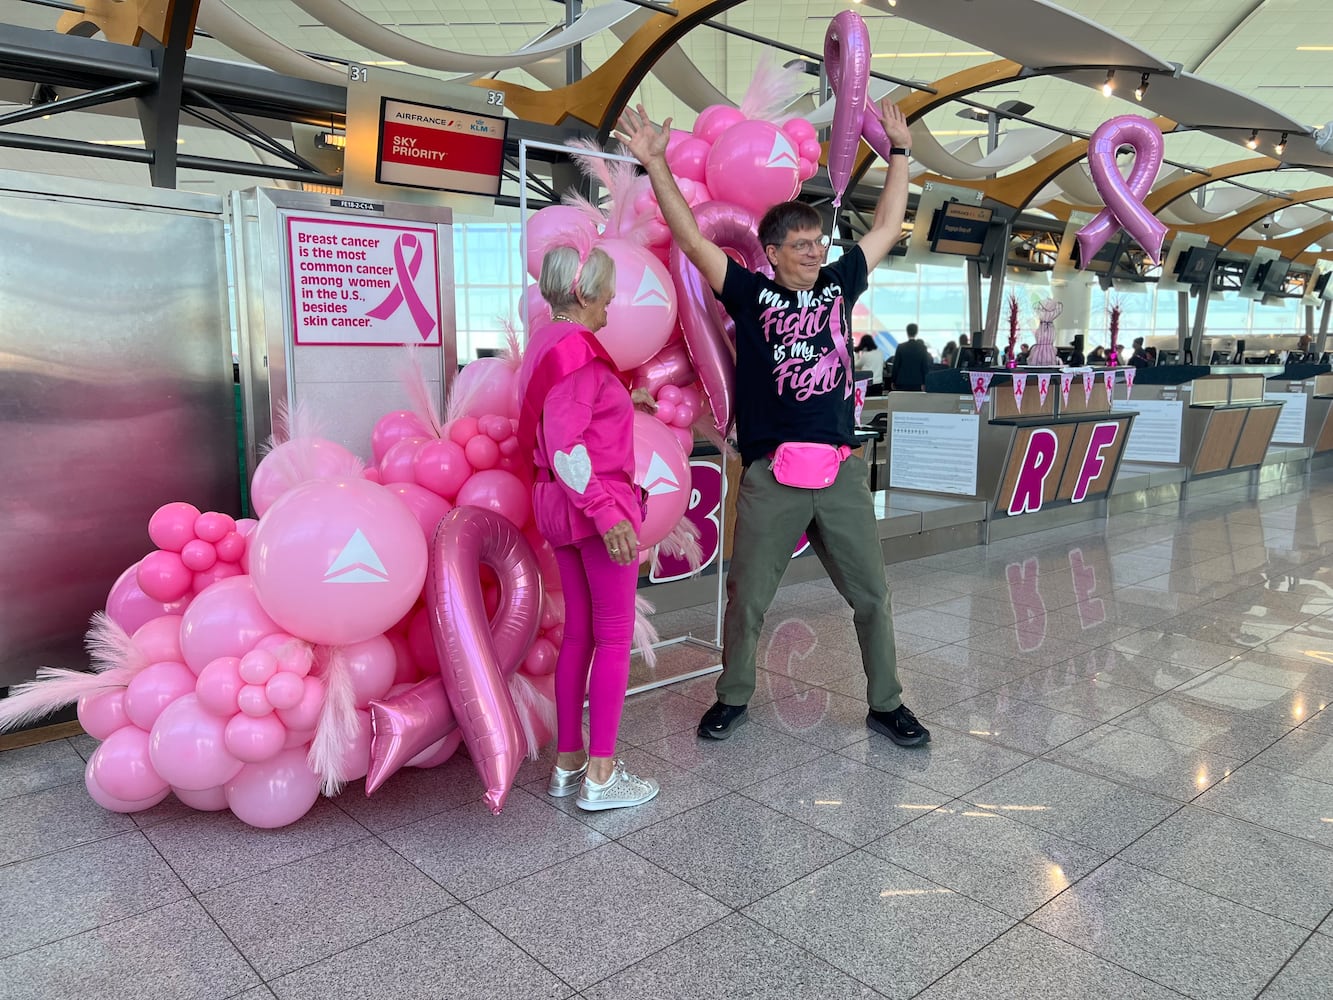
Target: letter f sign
x=1102 y=437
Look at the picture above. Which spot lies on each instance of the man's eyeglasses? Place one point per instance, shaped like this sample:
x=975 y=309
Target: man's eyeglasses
x=806 y=246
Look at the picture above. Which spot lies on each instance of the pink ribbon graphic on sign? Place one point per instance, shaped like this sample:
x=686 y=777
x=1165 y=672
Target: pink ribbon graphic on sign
x=1043 y=387
x=1020 y=383
x=1087 y=386
x=1066 y=380
x=1123 y=198
x=1110 y=383
x=980 y=385
x=406 y=289
x=1129 y=381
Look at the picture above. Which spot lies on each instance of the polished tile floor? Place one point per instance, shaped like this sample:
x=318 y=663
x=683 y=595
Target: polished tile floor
x=1129 y=795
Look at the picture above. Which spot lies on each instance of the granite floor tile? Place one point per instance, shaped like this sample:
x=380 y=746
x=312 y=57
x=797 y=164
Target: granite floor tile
x=816 y=716
x=1302 y=752
x=752 y=753
x=1032 y=648
x=935 y=624
x=174 y=951
x=735 y=849
x=1100 y=814
x=1285 y=802
x=1146 y=762
x=596 y=914
x=960 y=664
x=52 y=819
x=1250 y=698
x=1089 y=697
x=1021 y=725
x=1321 y=722
x=879 y=923
x=208 y=850
x=655 y=715
x=308 y=910
x=734 y=957
x=950 y=763
x=1132 y=670
x=453 y=953
x=469 y=851
x=74 y=890
x=850 y=801
x=413 y=794
x=84 y=745
x=1307 y=975
x=769 y=686
x=1176 y=649
x=1240 y=861
x=1026 y=963
x=45 y=765
x=1170 y=933
x=1180 y=719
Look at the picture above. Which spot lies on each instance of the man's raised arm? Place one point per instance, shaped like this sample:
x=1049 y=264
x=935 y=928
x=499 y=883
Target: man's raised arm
x=887 y=226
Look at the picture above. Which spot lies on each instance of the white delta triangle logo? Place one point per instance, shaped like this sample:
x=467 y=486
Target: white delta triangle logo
x=650 y=291
x=659 y=478
x=357 y=563
x=783 y=153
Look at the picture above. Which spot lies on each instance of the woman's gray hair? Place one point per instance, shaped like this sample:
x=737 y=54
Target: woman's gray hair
x=561 y=267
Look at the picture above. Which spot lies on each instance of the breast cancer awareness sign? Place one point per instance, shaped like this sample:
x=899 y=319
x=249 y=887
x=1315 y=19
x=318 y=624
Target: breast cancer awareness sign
x=1066 y=380
x=1123 y=198
x=980 y=386
x=1043 y=386
x=1110 y=382
x=407 y=256
x=1087 y=386
x=847 y=63
x=1020 y=384
x=1129 y=380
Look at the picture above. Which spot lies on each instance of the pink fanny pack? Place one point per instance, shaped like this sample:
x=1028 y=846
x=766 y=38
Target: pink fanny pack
x=806 y=465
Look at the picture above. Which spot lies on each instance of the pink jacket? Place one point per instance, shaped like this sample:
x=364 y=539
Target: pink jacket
x=585 y=448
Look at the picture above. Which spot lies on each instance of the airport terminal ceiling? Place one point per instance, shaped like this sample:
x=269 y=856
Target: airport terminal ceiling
x=1217 y=73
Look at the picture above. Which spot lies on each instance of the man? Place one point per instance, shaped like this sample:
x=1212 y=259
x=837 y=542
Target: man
x=1138 y=357
x=911 y=364
x=794 y=388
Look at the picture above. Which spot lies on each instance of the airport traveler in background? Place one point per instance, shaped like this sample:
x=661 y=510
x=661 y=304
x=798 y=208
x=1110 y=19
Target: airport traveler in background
x=1098 y=357
x=579 y=415
x=949 y=356
x=794 y=423
x=911 y=363
x=870 y=358
x=1138 y=357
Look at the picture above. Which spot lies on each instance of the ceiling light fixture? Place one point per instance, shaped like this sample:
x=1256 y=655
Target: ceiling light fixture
x=1108 y=88
x=332 y=140
x=1281 y=146
x=1253 y=141
x=1142 y=88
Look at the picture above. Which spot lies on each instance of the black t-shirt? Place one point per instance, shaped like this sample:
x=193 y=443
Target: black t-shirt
x=794 y=367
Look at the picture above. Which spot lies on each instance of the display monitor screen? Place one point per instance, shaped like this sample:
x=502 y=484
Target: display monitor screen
x=1196 y=264
x=1220 y=358
x=1168 y=358
x=440 y=148
x=1321 y=284
x=959 y=229
x=976 y=357
x=1274 y=276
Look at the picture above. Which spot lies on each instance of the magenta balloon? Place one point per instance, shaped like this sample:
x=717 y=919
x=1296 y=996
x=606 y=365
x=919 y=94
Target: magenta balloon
x=754 y=164
x=172 y=525
x=715 y=119
x=225 y=620
x=475 y=655
x=213 y=526
x=847 y=63
x=187 y=746
x=405 y=725
x=399 y=463
x=709 y=332
x=1124 y=198
x=688 y=158
x=163 y=576
x=275 y=793
x=129 y=607
x=442 y=467
x=108 y=801
x=669 y=366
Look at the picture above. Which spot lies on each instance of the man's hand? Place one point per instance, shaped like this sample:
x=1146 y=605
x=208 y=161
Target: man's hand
x=643 y=400
x=644 y=140
x=895 y=123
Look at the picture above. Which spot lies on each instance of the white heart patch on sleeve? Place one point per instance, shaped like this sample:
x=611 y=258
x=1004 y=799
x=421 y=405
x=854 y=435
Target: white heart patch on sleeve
x=574 y=468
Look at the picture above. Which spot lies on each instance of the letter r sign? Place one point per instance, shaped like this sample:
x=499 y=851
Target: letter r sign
x=1038 y=460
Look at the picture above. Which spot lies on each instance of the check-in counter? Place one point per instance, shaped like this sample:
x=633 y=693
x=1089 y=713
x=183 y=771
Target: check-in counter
x=1307 y=399
x=1228 y=424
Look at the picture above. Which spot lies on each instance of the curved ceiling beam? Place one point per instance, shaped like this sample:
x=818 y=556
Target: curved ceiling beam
x=600 y=96
x=241 y=36
x=1165 y=195
x=1225 y=231
x=1292 y=247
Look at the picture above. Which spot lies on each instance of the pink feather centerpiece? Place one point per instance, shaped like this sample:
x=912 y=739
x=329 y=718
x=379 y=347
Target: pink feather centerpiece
x=1013 y=330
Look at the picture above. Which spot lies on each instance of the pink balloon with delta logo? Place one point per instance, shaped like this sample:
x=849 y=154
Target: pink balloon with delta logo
x=640 y=319
x=336 y=562
x=754 y=164
x=662 y=469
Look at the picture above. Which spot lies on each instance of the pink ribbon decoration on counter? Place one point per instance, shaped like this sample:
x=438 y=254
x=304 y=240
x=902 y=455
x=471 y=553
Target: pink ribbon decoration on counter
x=1088 y=378
x=1129 y=380
x=1110 y=383
x=1066 y=380
x=1043 y=386
x=406 y=289
x=1020 y=384
x=847 y=62
x=1124 y=198
x=980 y=386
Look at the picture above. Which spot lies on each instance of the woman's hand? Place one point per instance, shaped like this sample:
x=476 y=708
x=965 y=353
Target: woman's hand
x=643 y=400
x=622 y=545
x=895 y=124
x=641 y=137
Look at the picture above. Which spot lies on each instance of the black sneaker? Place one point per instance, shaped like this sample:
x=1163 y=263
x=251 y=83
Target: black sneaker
x=899 y=725
x=720 y=720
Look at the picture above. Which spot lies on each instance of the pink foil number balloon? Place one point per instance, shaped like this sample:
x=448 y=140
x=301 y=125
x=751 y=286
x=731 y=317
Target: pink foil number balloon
x=847 y=61
x=1124 y=198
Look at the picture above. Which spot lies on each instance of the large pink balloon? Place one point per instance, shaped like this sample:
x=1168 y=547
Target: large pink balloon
x=371 y=664
x=399 y=463
x=710 y=334
x=160 y=638
x=121 y=766
x=392 y=428
x=225 y=620
x=754 y=164
x=498 y=491
x=426 y=507
x=538 y=311
x=1124 y=198
x=441 y=467
x=187 y=746
x=661 y=468
x=487 y=385
x=274 y=793
x=847 y=62
x=108 y=801
x=640 y=319
x=298 y=461
x=205 y=800
x=101 y=714
x=337 y=562
x=129 y=607
x=546 y=227
x=152 y=689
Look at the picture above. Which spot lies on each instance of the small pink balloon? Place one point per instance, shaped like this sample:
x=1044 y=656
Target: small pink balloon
x=257 y=666
x=800 y=131
x=230 y=547
x=213 y=526
x=205 y=800
x=172 y=525
x=152 y=689
x=553 y=610
x=495 y=427
x=499 y=491
x=540 y=659
x=463 y=430
x=394 y=427
x=129 y=607
x=689 y=158
x=371 y=665
x=186 y=746
x=509 y=447
x=683 y=417
x=101 y=714
x=254 y=739
x=715 y=119
x=198 y=555
x=482 y=452
x=425 y=506
x=684 y=437
x=810 y=150
x=122 y=768
x=669 y=394
x=284 y=690
x=557 y=634
x=294 y=656
x=252 y=700
x=224 y=620
x=666 y=412
x=442 y=467
x=273 y=793
x=218 y=685
x=669 y=366
x=691 y=397
x=372 y=474
x=306 y=713
x=163 y=576
x=398 y=464
x=160 y=639
x=108 y=801
x=218 y=571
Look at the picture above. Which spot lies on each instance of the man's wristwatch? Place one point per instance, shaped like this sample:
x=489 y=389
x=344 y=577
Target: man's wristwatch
x=899 y=151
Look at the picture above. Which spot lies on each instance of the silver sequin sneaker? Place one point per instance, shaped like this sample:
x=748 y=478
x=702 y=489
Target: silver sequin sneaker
x=564 y=782
x=622 y=789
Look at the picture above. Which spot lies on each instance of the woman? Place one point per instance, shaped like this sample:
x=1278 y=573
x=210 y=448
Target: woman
x=949 y=356
x=870 y=358
x=578 y=416
x=1097 y=358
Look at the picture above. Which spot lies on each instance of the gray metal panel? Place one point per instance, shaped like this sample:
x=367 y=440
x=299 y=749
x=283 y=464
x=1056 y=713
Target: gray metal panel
x=115 y=396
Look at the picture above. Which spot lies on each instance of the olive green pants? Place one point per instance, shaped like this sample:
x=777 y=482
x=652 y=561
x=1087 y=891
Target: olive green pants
x=839 y=521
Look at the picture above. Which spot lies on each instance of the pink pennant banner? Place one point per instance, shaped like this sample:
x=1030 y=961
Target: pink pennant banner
x=1110 y=384
x=1087 y=386
x=980 y=386
x=1066 y=380
x=1043 y=386
x=1020 y=383
x=1129 y=381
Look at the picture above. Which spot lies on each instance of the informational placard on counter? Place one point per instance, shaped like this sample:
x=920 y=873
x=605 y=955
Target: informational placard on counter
x=934 y=452
x=1291 y=424
x=1156 y=433
x=366 y=284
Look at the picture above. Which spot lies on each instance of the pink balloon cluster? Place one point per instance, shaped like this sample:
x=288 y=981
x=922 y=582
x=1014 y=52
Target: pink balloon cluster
x=194 y=550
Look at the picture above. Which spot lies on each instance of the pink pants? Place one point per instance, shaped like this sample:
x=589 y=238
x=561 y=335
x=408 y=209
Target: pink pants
x=594 y=656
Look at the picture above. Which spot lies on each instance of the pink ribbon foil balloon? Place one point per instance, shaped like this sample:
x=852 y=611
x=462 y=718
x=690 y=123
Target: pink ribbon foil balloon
x=710 y=334
x=847 y=62
x=476 y=656
x=1124 y=198
x=405 y=725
